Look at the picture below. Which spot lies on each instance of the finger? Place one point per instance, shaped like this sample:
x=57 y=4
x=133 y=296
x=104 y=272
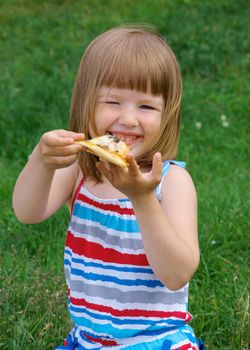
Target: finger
x=78 y=136
x=116 y=170
x=157 y=166
x=60 y=138
x=133 y=168
x=70 y=134
x=60 y=162
x=53 y=140
x=61 y=151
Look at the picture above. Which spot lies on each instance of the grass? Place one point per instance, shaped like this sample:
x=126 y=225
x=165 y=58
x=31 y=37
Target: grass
x=41 y=46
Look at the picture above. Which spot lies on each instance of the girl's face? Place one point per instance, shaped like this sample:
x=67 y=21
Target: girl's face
x=133 y=116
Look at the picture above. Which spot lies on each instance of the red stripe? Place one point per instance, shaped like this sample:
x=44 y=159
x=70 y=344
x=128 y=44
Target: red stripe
x=101 y=341
x=126 y=312
x=96 y=251
x=108 y=207
x=186 y=347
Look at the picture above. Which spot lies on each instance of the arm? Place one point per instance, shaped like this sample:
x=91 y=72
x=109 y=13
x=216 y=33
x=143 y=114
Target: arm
x=47 y=180
x=169 y=228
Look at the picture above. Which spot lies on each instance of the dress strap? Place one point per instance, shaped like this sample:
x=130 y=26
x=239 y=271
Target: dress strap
x=165 y=168
x=76 y=193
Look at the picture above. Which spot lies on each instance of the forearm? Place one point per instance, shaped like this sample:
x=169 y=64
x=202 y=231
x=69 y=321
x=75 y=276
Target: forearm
x=47 y=180
x=170 y=257
x=31 y=192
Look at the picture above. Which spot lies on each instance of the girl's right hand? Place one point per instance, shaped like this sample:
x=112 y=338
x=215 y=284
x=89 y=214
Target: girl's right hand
x=58 y=149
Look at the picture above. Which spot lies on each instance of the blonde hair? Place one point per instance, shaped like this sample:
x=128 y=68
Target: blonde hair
x=130 y=57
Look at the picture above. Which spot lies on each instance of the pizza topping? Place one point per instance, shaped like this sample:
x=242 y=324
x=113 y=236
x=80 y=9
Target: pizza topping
x=111 y=143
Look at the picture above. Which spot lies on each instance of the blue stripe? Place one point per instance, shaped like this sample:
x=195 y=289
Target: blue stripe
x=96 y=277
x=107 y=317
x=107 y=267
x=107 y=220
x=161 y=323
x=190 y=334
x=150 y=333
x=166 y=165
x=105 y=328
x=184 y=333
x=165 y=168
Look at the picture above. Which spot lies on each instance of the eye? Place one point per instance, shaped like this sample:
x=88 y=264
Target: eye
x=147 y=107
x=112 y=103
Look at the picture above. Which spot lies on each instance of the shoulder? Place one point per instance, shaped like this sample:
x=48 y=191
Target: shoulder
x=178 y=183
x=178 y=173
x=179 y=202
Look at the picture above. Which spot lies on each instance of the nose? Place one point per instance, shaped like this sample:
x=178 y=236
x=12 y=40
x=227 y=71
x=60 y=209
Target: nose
x=128 y=117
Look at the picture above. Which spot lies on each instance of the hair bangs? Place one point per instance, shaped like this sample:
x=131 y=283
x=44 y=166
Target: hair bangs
x=133 y=65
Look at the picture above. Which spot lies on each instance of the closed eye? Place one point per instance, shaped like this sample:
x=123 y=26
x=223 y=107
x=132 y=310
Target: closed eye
x=112 y=102
x=147 y=107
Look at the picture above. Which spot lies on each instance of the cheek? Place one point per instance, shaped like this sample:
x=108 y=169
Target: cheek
x=91 y=131
x=153 y=126
x=104 y=118
x=98 y=123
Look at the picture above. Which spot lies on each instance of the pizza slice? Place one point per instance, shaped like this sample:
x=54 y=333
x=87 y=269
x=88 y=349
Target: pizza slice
x=109 y=148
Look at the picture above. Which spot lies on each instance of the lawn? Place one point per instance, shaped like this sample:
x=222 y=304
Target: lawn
x=41 y=46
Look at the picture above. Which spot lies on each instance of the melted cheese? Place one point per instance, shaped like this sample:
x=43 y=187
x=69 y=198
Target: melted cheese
x=111 y=143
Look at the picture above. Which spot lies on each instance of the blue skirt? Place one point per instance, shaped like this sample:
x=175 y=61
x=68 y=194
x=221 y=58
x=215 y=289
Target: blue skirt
x=181 y=338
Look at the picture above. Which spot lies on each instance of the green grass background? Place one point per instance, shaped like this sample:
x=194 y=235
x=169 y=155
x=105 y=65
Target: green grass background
x=41 y=43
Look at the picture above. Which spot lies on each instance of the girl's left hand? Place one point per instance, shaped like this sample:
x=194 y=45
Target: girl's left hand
x=131 y=181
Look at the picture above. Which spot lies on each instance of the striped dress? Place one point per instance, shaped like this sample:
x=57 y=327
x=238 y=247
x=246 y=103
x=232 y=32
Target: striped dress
x=114 y=298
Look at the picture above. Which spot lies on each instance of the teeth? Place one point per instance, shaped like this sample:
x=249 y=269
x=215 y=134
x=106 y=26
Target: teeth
x=125 y=138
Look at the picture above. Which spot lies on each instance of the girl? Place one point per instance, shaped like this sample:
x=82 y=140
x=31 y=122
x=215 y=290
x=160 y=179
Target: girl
x=132 y=245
